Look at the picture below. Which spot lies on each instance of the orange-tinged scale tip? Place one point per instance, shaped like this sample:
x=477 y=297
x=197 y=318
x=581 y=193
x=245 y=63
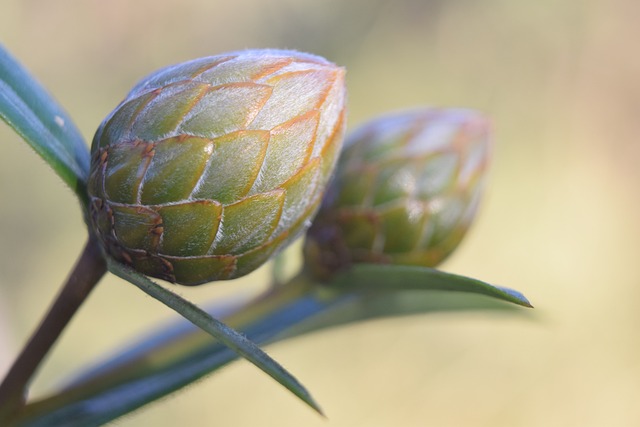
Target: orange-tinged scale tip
x=406 y=189
x=215 y=164
x=127 y=258
x=271 y=68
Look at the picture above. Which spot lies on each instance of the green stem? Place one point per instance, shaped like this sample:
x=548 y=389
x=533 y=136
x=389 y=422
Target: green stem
x=160 y=358
x=88 y=270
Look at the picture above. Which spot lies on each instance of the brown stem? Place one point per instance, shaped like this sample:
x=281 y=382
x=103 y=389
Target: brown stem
x=88 y=270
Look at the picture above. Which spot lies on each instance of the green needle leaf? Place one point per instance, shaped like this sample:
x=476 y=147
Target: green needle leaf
x=217 y=329
x=400 y=277
x=27 y=107
x=175 y=356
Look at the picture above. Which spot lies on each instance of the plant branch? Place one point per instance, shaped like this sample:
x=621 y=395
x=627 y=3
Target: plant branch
x=220 y=331
x=173 y=358
x=88 y=270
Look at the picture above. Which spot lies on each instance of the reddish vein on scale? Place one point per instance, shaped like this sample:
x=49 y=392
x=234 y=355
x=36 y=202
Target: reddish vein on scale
x=210 y=166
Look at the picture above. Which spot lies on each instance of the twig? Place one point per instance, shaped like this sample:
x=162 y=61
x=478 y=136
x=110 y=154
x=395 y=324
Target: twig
x=88 y=270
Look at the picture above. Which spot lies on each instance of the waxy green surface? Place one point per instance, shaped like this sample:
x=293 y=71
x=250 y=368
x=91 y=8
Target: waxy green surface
x=209 y=167
x=407 y=187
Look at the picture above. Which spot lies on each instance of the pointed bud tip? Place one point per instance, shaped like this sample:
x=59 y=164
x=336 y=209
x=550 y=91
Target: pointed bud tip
x=254 y=133
x=406 y=189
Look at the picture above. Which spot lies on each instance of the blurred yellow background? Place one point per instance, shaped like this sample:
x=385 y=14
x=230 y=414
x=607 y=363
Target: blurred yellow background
x=560 y=80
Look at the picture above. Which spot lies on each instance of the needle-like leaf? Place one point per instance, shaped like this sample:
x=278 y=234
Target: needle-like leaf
x=399 y=277
x=176 y=356
x=217 y=329
x=27 y=107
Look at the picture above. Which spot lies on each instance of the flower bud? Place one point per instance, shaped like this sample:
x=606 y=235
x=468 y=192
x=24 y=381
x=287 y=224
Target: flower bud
x=208 y=167
x=406 y=189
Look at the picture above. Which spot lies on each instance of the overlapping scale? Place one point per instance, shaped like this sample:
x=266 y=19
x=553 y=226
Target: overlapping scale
x=209 y=167
x=406 y=190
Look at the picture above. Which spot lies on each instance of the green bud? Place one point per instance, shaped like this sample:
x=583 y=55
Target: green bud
x=406 y=189
x=209 y=167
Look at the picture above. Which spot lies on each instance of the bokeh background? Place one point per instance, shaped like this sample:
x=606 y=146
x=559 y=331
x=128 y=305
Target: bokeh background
x=560 y=80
